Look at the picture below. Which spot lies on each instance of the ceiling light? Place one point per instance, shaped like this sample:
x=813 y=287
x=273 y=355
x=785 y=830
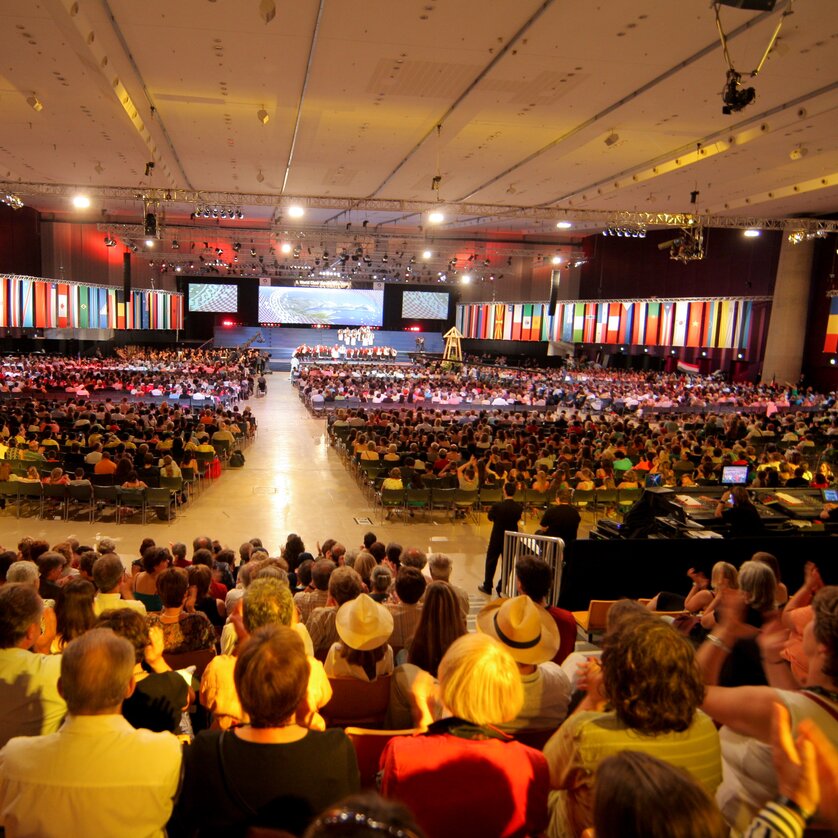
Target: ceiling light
x=35 y=103
x=260 y=178
x=263 y=116
x=175 y=244
x=81 y=201
x=426 y=254
x=465 y=279
x=110 y=241
x=436 y=217
x=11 y=200
x=751 y=234
x=612 y=138
x=296 y=211
x=564 y=225
x=556 y=260
x=285 y=247
x=149 y=242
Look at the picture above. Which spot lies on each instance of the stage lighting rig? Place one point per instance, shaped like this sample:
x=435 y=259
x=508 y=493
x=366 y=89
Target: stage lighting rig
x=688 y=247
x=734 y=96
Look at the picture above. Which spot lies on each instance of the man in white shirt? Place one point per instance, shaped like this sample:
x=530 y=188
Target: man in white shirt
x=109 y=577
x=98 y=775
x=30 y=704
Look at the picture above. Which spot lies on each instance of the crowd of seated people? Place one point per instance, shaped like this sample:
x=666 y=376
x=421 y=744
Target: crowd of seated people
x=572 y=450
x=120 y=442
x=589 y=389
x=509 y=732
x=219 y=375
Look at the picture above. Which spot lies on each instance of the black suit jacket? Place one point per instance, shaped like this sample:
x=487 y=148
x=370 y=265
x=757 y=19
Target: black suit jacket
x=505 y=516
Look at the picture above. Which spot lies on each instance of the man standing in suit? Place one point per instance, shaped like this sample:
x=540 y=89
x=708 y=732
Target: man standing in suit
x=504 y=516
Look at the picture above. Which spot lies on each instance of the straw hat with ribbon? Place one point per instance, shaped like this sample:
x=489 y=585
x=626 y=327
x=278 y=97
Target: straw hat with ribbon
x=363 y=624
x=528 y=632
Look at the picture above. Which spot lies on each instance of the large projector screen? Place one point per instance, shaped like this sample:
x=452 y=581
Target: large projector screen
x=223 y=299
x=324 y=306
x=425 y=305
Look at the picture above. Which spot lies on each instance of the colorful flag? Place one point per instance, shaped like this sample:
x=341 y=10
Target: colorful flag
x=638 y=332
x=578 y=322
x=727 y=314
x=831 y=341
x=679 y=331
x=711 y=323
x=567 y=322
x=653 y=313
x=590 y=323
x=626 y=323
x=613 y=328
x=507 y=323
x=694 y=318
x=743 y=328
x=667 y=322
x=690 y=369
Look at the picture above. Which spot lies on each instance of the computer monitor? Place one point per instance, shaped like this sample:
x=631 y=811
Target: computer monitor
x=735 y=475
x=830 y=495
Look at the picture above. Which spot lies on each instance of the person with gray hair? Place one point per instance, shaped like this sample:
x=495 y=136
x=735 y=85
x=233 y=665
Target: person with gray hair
x=113 y=592
x=105 y=546
x=24 y=573
x=30 y=704
x=440 y=567
x=53 y=785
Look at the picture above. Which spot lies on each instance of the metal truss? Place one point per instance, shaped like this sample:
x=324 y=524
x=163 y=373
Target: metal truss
x=754 y=299
x=485 y=212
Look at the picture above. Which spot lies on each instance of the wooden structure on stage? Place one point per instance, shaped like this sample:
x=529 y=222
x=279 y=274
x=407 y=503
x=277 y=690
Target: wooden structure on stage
x=453 y=349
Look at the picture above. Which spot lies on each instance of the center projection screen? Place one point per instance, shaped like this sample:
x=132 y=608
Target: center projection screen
x=425 y=305
x=321 y=306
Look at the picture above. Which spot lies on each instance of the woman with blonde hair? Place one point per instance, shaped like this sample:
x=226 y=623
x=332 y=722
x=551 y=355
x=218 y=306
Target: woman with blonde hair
x=479 y=688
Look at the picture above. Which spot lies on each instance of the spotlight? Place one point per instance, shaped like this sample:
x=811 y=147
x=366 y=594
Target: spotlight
x=734 y=96
x=263 y=116
x=465 y=279
x=35 y=103
x=175 y=244
x=237 y=246
x=556 y=260
x=109 y=241
x=564 y=225
x=150 y=225
x=751 y=234
x=253 y=252
x=285 y=247
x=426 y=254
x=223 y=213
x=296 y=211
x=81 y=201
x=436 y=217
x=11 y=200
x=612 y=138
x=149 y=242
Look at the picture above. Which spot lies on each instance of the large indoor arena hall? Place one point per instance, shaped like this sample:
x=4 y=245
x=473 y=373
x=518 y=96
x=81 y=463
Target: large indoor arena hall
x=419 y=419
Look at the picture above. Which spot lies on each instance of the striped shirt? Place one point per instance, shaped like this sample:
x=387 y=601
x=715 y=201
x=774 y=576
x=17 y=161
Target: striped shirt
x=584 y=740
x=405 y=619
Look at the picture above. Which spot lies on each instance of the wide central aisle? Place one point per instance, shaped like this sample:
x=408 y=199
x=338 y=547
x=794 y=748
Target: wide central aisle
x=293 y=481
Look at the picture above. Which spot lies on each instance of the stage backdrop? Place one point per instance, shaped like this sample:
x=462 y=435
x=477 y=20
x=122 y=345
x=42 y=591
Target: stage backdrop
x=32 y=303
x=280 y=343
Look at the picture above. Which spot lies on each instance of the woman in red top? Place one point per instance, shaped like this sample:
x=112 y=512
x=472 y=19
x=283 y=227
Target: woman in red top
x=463 y=776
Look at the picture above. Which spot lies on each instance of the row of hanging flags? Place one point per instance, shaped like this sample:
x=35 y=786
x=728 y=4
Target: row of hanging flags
x=26 y=302
x=717 y=324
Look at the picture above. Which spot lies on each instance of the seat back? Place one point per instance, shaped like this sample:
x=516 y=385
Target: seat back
x=52 y=490
x=598 y=613
x=583 y=497
x=105 y=493
x=356 y=702
x=159 y=497
x=174 y=484
x=392 y=497
x=465 y=497
x=80 y=493
x=369 y=745
x=131 y=497
x=418 y=497
x=490 y=494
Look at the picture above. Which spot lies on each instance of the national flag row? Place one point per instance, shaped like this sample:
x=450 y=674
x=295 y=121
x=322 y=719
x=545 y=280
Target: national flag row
x=717 y=324
x=46 y=304
x=831 y=342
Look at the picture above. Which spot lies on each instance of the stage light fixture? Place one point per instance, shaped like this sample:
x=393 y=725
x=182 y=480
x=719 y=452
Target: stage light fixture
x=253 y=252
x=296 y=211
x=263 y=116
x=150 y=225
x=436 y=217
x=35 y=103
x=149 y=242
x=81 y=201
x=285 y=247
x=564 y=225
x=556 y=260
x=175 y=244
x=752 y=233
x=426 y=254
x=11 y=200
x=110 y=241
x=465 y=279
x=734 y=96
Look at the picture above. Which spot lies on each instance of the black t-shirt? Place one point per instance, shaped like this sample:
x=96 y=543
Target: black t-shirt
x=274 y=786
x=562 y=521
x=157 y=703
x=744 y=520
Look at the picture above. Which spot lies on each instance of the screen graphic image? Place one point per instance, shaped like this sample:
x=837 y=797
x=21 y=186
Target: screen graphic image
x=325 y=306
x=735 y=475
x=222 y=299
x=424 y=305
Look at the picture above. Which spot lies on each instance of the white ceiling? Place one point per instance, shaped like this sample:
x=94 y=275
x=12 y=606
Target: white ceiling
x=526 y=93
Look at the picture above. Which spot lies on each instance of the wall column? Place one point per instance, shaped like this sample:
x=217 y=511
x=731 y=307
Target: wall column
x=783 y=358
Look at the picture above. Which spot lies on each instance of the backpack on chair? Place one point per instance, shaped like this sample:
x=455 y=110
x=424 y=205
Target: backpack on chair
x=236 y=459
